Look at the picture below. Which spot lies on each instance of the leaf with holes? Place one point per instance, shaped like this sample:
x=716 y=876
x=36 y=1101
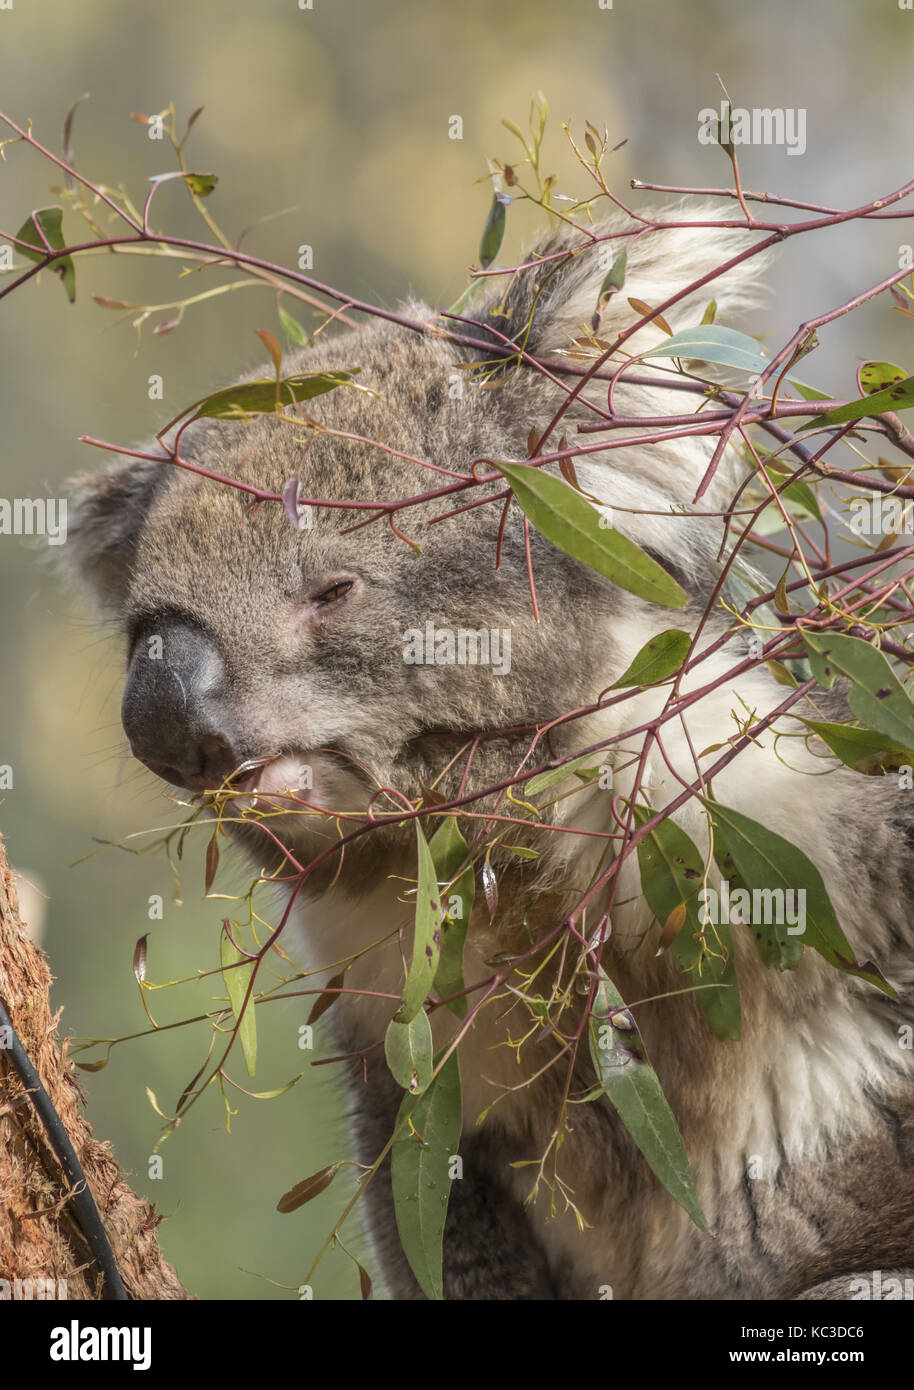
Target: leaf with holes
x=876 y=696
x=42 y=230
x=900 y=396
x=408 y=1049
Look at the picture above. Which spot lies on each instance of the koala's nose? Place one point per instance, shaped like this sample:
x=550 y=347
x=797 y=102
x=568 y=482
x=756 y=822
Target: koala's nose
x=173 y=710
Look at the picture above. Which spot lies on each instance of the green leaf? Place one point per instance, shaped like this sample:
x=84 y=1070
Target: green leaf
x=809 y=393
x=712 y=342
x=658 y=659
x=876 y=697
x=493 y=232
x=768 y=864
x=292 y=328
x=554 y=775
x=860 y=748
x=797 y=498
x=427 y=935
x=259 y=397
x=672 y=872
x=632 y=1086
x=420 y=1177
x=573 y=525
x=873 y=377
x=237 y=978
x=897 y=397
x=449 y=850
x=408 y=1049
x=50 y=221
x=201 y=184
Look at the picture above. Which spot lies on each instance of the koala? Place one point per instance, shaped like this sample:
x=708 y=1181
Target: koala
x=282 y=672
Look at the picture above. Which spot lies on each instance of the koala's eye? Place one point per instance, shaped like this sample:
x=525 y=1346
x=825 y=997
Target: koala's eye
x=334 y=592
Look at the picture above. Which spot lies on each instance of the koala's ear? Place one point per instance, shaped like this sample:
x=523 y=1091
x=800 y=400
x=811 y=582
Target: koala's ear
x=106 y=514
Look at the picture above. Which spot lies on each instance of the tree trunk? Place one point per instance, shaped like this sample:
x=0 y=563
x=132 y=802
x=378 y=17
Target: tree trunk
x=40 y=1234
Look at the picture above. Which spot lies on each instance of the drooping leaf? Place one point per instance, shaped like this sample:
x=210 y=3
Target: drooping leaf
x=632 y=1086
x=769 y=865
x=427 y=935
x=494 y=230
x=237 y=978
x=408 y=1049
x=859 y=748
x=553 y=775
x=897 y=397
x=50 y=220
x=327 y=998
x=308 y=1188
x=712 y=342
x=876 y=696
x=259 y=397
x=672 y=871
x=449 y=851
x=420 y=1176
x=658 y=659
x=566 y=519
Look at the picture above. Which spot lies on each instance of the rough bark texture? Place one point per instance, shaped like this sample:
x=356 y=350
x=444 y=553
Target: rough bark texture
x=39 y=1236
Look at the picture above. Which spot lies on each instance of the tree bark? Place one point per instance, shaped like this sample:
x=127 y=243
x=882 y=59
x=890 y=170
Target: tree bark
x=40 y=1235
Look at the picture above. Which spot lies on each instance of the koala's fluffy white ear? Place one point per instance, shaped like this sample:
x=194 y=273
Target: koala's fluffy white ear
x=105 y=517
x=556 y=300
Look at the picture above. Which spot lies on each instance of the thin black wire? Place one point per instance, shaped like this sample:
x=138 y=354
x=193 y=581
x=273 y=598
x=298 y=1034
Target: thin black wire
x=86 y=1212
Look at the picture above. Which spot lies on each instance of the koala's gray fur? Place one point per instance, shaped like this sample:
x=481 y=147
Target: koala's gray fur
x=815 y=1101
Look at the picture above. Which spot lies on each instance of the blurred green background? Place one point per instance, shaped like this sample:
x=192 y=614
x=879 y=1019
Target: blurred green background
x=342 y=113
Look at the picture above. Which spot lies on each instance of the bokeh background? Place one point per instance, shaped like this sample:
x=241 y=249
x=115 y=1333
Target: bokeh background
x=340 y=112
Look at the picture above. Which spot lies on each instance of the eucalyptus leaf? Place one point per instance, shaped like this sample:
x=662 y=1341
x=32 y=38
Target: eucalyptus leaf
x=672 y=872
x=237 y=977
x=408 y=1049
x=769 y=865
x=420 y=1174
x=876 y=696
x=566 y=519
x=427 y=935
x=633 y=1088
x=712 y=342
x=449 y=851
x=658 y=659
x=50 y=220
x=897 y=397
x=860 y=748
x=260 y=397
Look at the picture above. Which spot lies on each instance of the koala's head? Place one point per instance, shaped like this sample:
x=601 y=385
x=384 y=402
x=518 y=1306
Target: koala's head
x=336 y=661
